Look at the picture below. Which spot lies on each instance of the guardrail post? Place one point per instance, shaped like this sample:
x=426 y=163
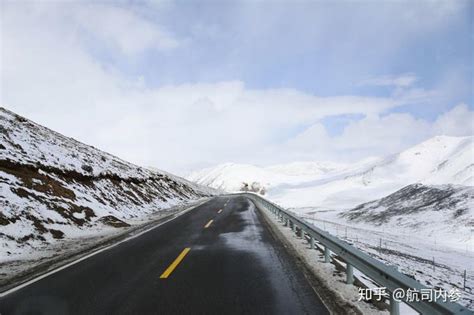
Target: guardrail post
x=394 y=306
x=349 y=274
x=327 y=256
x=379 y=272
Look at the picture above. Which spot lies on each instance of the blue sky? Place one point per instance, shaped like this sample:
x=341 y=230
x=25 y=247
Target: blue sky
x=216 y=81
x=324 y=48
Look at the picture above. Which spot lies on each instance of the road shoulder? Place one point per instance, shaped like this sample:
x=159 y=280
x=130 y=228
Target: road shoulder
x=333 y=300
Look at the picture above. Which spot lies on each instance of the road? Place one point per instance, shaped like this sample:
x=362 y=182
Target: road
x=190 y=265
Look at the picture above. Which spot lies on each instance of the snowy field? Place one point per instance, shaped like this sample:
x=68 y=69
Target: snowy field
x=428 y=259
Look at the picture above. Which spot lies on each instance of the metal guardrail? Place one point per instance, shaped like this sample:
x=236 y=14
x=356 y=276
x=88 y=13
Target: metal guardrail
x=384 y=275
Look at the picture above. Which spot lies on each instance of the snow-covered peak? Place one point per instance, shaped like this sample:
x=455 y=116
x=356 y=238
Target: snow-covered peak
x=439 y=160
x=233 y=176
x=436 y=161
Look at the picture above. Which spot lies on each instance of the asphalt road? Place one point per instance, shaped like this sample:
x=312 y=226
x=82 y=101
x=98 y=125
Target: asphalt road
x=190 y=265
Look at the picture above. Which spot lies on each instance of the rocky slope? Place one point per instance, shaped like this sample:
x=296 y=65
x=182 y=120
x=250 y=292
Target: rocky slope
x=54 y=187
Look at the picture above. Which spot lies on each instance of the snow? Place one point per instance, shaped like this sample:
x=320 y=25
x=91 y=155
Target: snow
x=230 y=176
x=325 y=272
x=411 y=252
x=445 y=212
x=29 y=143
x=54 y=188
x=411 y=255
x=439 y=160
x=419 y=203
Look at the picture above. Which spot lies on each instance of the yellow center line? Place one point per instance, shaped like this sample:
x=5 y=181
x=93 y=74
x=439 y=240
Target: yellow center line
x=219 y=211
x=208 y=224
x=175 y=263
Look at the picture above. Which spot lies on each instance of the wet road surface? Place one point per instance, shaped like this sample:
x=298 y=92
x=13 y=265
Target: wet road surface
x=219 y=258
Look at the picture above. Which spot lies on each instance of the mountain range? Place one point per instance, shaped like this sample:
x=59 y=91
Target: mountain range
x=437 y=161
x=425 y=190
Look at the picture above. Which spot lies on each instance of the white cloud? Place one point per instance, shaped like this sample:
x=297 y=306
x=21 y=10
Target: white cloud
x=372 y=135
x=119 y=29
x=169 y=127
x=403 y=80
x=457 y=122
x=48 y=74
x=123 y=29
x=382 y=135
x=377 y=135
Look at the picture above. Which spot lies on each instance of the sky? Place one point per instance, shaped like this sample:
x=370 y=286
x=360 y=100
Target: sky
x=182 y=85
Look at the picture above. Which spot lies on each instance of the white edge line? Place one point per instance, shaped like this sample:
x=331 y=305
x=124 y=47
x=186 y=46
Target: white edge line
x=27 y=283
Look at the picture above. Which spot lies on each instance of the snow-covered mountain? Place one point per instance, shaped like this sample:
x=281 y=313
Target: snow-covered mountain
x=54 y=187
x=437 y=161
x=440 y=209
x=424 y=230
x=233 y=177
